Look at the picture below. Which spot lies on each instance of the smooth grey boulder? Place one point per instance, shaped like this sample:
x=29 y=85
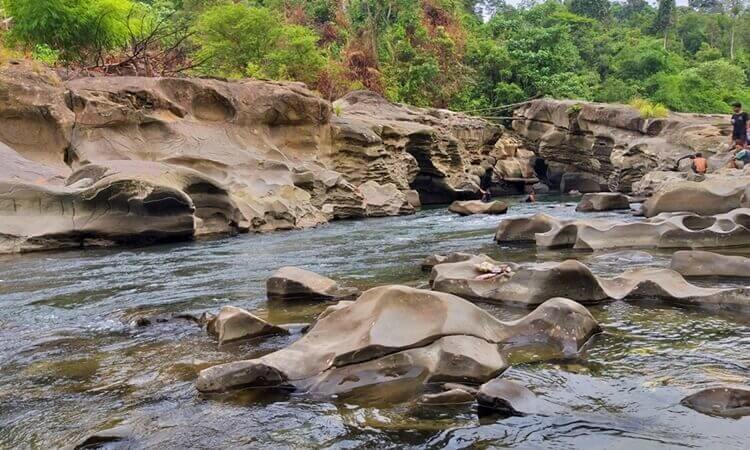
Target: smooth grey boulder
x=722 y=401
x=234 y=323
x=712 y=196
x=507 y=398
x=698 y=263
x=603 y=201
x=471 y=207
x=400 y=338
x=293 y=283
x=433 y=260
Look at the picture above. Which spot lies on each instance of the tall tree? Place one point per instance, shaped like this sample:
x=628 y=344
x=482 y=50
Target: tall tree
x=596 y=9
x=665 y=18
x=733 y=9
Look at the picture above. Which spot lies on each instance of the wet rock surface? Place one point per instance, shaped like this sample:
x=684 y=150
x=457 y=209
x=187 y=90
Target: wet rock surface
x=293 y=283
x=470 y=207
x=234 y=323
x=571 y=279
x=406 y=337
x=706 y=264
x=722 y=401
x=608 y=201
x=667 y=230
x=507 y=398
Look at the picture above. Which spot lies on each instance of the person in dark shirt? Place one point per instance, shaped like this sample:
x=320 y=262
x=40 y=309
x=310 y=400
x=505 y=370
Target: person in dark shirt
x=485 y=183
x=740 y=123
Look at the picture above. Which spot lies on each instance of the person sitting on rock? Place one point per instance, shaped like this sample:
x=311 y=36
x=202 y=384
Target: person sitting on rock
x=700 y=164
x=741 y=158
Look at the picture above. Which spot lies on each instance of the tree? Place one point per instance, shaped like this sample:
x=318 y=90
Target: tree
x=664 y=18
x=79 y=29
x=596 y=9
x=236 y=40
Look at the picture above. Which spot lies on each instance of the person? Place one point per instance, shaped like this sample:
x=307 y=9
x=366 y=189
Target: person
x=700 y=164
x=741 y=158
x=531 y=198
x=485 y=183
x=740 y=124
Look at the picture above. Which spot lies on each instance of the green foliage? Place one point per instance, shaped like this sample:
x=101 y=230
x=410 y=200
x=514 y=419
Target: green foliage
x=648 y=109
x=71 y=27
x=235 y=41
x=46 y=54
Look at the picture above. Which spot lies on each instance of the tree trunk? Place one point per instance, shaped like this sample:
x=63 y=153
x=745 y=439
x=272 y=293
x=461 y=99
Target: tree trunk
x=731 y=42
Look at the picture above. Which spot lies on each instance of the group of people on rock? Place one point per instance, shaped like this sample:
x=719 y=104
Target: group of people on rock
x=740 y=135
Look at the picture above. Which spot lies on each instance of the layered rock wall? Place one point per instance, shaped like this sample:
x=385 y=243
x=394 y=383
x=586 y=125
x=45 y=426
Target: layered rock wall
x=612 y=142
x=96 y=161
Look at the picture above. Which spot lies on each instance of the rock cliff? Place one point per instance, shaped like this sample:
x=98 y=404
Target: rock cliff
x=100 y=161
x=612 y=142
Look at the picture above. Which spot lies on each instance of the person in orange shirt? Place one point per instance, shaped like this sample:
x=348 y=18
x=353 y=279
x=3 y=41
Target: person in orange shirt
x=700 y=164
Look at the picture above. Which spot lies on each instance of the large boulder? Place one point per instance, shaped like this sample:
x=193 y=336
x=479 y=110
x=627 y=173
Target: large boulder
x=721 y=401
x=603 y=201
x=470 y=207
x=384 y=200
x=704 y=264
x=234 y=323
x=402 y=337
x=482 y=278
x=433 y=260
x=580 y=182
x=293 y=283
x=709 y=197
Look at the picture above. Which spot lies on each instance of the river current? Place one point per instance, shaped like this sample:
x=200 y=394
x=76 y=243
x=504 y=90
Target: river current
x=72 y=360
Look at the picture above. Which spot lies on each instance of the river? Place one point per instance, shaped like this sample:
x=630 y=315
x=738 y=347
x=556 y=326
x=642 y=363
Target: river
x=73 y=362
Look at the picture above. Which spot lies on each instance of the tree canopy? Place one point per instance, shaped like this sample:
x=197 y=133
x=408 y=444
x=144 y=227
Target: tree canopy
x=462 y=54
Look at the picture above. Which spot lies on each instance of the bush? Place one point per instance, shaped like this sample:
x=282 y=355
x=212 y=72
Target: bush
x=236 y=41
x=74 y=28
x=44 y=53
x=648 y=109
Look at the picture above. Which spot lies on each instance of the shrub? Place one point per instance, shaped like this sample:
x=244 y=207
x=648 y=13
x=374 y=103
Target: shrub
x=648 y=109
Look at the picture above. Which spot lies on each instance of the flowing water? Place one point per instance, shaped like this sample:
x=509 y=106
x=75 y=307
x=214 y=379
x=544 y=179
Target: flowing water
x=73 y=362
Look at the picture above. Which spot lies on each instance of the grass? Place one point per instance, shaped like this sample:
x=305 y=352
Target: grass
x=648 y=109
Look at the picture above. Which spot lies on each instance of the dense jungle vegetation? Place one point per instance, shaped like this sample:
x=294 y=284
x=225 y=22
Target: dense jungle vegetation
x=461 y=54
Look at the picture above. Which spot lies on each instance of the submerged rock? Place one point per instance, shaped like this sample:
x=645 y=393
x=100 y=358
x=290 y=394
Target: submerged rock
x=120 y=437
x=403 y=337
x=293 y=283
x=234 y=323
x=723 y=401
x=702 y=264
x=451 y=397
x=603 y=201
x=572 y=279
x=507 y=398
x=470 y=207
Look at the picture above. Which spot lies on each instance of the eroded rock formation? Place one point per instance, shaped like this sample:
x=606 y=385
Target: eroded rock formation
x=704 y=264
x=293 y=283
x=712 y=196
x=471 y=207
x=234 y=323
x=667 y=230
x=603 y=201
x=612 y=142
x=101 y=161
x=396 y=335
x=534 y=284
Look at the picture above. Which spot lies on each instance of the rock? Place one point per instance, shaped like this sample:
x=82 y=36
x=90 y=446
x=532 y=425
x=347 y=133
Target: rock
x=580 y=182
x=603 y=201
x=523 y=286
x=667 y=230
x=467 y=208
x=293 y=283
x=540 y=188
x=120 y=437
x=722 y=401
x=399 y=337
x=384 y=200
x=713 y=196
x=431 y=261
x=704 y=264
x=233 y=323
x=412 y=197
x=612 y=142
x=530 y=286
x=507 y=398
x=451 y=397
